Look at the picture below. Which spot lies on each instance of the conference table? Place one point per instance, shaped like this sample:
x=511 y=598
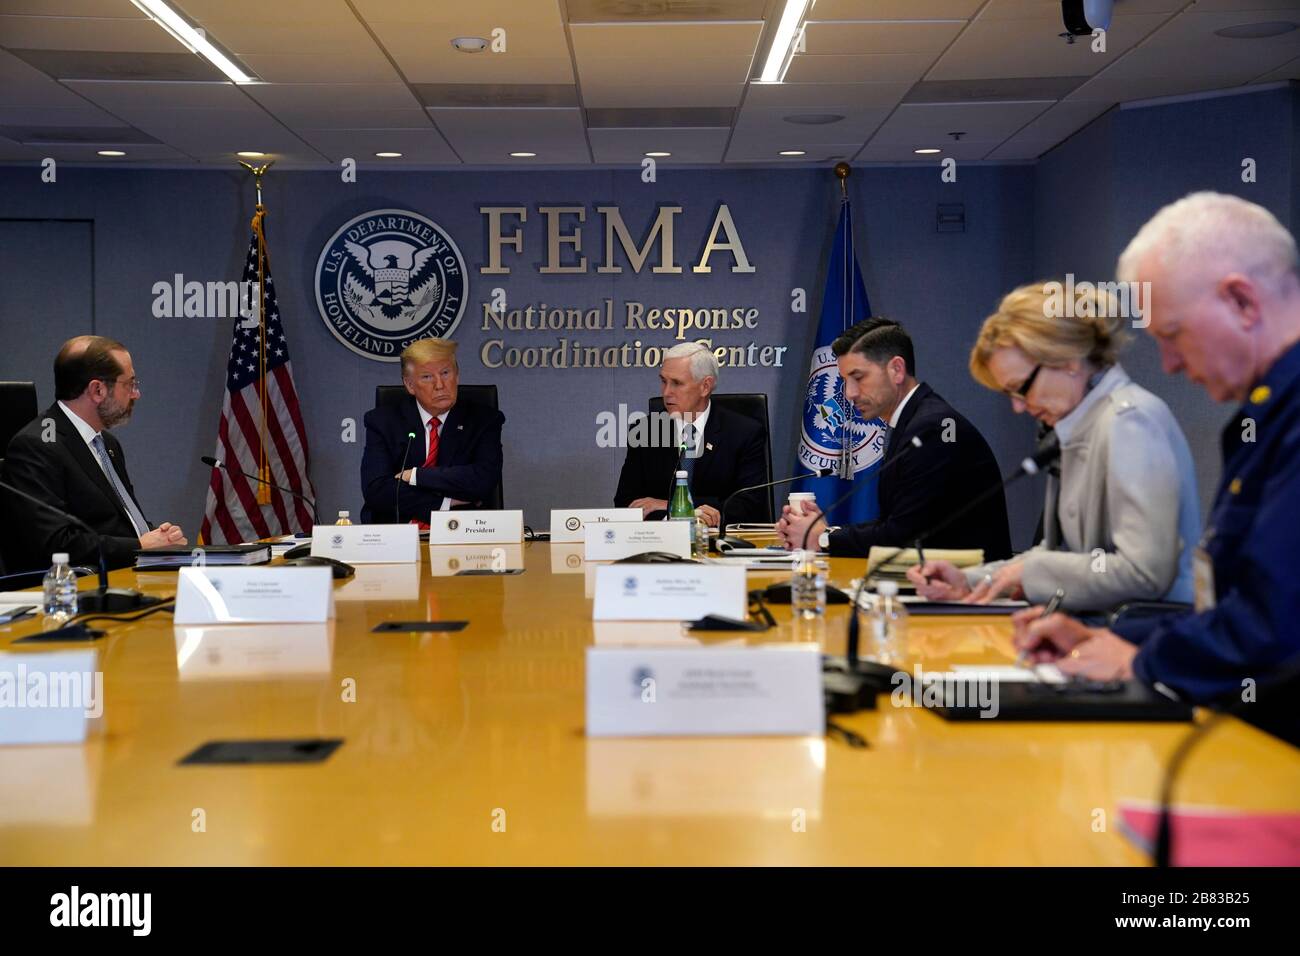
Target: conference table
x=468 y=747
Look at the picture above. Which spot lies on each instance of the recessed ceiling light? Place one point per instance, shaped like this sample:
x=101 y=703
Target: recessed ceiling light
x=389 y=155
x=249 y=153
x=110 y=152
x=1257 y=31
x=523 y=155
x=793 y=152
x=813 y=119
x=657 y=155
x=927 y=151
x=470 y=44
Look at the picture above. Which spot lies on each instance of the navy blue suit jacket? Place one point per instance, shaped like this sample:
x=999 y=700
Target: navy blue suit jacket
x=468 y=468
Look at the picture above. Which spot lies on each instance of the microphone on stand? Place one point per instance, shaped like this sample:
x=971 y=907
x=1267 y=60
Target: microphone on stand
x=218 y=463
x=733 y=544
x=397 y=492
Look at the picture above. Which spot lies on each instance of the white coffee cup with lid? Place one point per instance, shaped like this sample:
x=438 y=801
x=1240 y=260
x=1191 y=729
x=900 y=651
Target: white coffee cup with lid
x=798 y=500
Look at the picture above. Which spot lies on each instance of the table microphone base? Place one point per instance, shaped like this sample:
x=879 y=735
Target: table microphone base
x=848 y=691
x=114 y=601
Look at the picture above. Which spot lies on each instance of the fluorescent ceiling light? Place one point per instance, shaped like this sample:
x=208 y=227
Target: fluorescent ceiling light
x=191 y=38
x=389 y=155
x=523 y=155
x=657 y=155
x=793 y=152
x=778 y=57
x=110 y=152
x=249 y=153
x=927 y=151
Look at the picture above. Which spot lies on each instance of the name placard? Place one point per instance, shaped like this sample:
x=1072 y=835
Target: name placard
x=256 y=595
x=567 y=524
x=771 y=689
x=668 y=592
x=620 y=539
x=476 y=527
x=367 y=543
x=254 y=651
x=49 y=698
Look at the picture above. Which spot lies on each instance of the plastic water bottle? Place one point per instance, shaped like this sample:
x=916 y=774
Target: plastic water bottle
x=888 y=619
x=808 y=585
x=344 y=518
x=60 y=590
x=682 y=508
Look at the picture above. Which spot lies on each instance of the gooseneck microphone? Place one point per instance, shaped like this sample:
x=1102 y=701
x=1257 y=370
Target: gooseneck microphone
x=397 y=492
x=218 y=463
x=102 y=600
x=734 y=543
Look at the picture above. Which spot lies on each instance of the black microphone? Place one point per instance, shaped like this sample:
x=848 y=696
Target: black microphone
x=397 y=492
x=734 y=543
x=218 y=463
x=102 y=600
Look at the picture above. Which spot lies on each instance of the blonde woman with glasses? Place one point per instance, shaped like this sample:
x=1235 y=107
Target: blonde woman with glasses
x=1122 y=521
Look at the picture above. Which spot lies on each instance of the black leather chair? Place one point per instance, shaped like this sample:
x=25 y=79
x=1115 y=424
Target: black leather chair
x=475 y=395
x=18 y=406
x=752 y=405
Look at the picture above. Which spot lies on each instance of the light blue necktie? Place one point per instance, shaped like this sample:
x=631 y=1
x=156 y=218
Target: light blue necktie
x=137 y=518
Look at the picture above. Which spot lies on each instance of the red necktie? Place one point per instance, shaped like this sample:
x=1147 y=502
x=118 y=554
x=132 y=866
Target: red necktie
x=432 y=458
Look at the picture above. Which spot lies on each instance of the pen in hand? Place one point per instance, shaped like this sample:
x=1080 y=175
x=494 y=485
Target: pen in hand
x=1054 y=605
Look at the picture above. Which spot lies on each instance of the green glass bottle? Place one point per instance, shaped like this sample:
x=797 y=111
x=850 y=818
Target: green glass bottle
x=682 y=508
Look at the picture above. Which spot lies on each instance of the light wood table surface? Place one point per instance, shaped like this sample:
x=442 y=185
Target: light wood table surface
x=468 y=748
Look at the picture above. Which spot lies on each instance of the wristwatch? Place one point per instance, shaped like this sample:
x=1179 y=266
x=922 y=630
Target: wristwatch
x=824 y=539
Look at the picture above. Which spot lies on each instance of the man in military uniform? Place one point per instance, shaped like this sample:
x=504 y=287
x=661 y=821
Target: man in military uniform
x=1224 y=308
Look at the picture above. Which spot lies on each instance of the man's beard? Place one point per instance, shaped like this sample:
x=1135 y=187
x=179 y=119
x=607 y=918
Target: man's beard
x=112 y=414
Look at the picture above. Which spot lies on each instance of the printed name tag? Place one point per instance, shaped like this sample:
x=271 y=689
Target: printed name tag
x=49 y=698
x=259 y=595
x=668 y=592
x=615 y=540
x=646 y=691
x=476 y=527
x=567 y=524
x=367 y=543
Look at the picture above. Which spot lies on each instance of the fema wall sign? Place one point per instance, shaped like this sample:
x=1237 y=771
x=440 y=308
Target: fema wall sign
x=387 y=278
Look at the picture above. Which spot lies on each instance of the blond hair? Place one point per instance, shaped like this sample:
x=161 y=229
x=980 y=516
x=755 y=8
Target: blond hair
x=1028 y=319
x=428 y=350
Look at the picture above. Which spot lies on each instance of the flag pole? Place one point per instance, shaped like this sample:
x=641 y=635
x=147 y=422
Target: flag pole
x=259 y=214
x=847 y=310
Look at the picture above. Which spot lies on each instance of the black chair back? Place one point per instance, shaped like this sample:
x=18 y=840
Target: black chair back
x=751 y=405
x=17 y=407
x=474 y=395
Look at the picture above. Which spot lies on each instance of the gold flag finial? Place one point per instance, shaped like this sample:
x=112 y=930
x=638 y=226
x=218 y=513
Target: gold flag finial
x=258 y=172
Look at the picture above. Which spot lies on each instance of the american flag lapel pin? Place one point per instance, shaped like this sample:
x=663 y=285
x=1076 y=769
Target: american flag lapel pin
x=708 y=446
x=460 y=428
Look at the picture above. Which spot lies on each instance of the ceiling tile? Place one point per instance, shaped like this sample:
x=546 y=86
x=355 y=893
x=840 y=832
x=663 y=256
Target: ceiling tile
x=830 y=96
x=124 y=34
x=415 y=145
x=875 y=152
x=908 y=37
x=630 y=94
x=894 y=9
x=859 y=68
x=930 y=124
x=631 y=145
x=489 y=136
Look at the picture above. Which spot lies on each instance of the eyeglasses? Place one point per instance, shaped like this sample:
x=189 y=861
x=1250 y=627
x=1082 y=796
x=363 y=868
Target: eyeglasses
x=132 y=384
x=1023 y=390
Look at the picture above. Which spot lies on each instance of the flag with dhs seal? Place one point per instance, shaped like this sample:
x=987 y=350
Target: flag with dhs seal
x=834 y=435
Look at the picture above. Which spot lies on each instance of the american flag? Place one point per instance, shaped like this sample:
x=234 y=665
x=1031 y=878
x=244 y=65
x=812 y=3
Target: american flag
x=274 y=447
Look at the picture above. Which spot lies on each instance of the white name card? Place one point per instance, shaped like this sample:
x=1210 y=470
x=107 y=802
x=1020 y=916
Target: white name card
x=567 y=524
x=620 y=539
x=49 y=698
x=256 y=595
x=668 y=592
x=254 y=651
x=773 y=689
x=367 y=543
x=476 y=527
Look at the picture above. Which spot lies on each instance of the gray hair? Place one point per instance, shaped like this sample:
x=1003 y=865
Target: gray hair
x=703 y=362
x=1207 y=228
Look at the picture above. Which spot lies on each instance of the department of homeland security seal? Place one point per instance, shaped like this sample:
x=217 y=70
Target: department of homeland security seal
x=387 y=278
x=828 y=415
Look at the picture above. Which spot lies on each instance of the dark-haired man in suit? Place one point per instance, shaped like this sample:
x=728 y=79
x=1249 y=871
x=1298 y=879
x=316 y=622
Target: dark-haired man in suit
x=447 y=452
x=952 y=465
x=68 y=458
